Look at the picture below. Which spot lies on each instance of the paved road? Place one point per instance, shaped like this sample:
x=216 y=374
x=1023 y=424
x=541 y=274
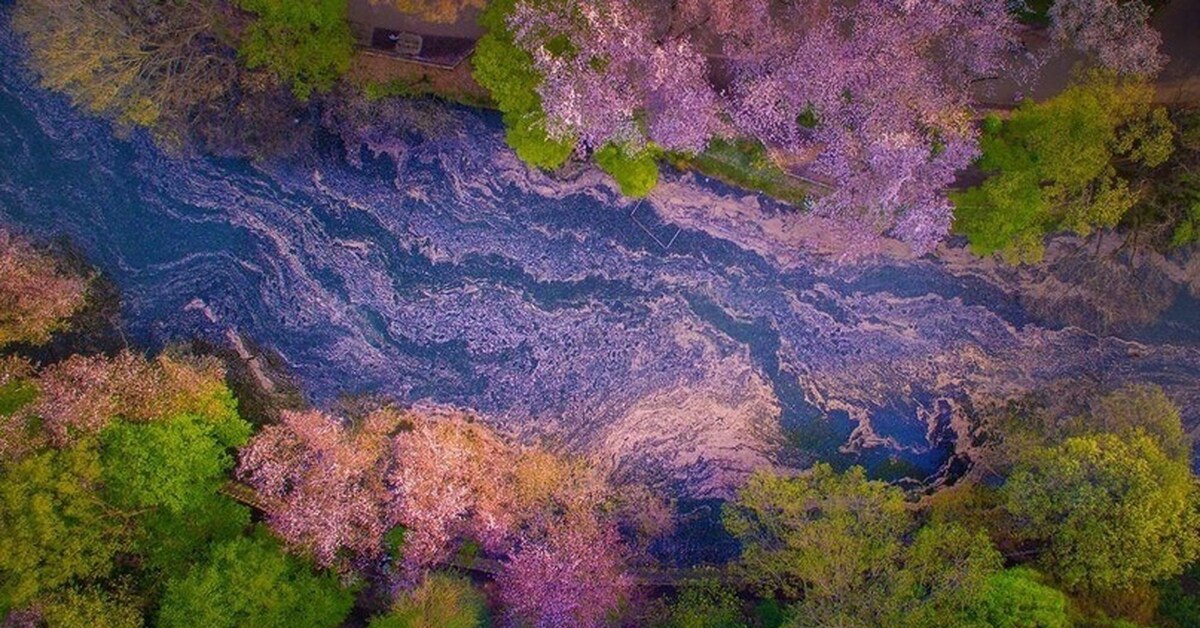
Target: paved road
x=1179 y=23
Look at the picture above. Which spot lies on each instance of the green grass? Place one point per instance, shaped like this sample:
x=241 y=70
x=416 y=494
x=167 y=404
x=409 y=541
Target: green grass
x=16 y=395
x=423 y=87
x=1035 y=12
x=745 y=164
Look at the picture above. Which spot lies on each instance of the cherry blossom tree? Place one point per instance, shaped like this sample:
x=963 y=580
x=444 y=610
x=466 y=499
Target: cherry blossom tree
x=324 y=483
x=335 y=489
x=82 y=394
x=878 y=91
x=36 y=297
x=603 y=71
x=449 y=482
x=574 y=576
x=78 y=396
x=1117 y=33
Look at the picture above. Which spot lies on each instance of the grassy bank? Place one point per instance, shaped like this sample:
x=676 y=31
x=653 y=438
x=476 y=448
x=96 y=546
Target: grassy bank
x=745 y=164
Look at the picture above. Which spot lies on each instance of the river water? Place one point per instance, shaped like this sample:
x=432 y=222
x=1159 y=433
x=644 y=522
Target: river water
x=686 y=339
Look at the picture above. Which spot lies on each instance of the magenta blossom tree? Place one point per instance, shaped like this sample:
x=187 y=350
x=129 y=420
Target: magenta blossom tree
x=1117 y=33
x=574 y=576
x=324 y=484
x=877 y=91
x=608 y=79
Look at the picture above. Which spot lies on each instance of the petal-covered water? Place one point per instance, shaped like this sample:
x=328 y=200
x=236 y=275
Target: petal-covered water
x=686 y=339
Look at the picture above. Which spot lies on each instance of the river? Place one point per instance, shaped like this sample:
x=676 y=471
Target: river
x=685 y=339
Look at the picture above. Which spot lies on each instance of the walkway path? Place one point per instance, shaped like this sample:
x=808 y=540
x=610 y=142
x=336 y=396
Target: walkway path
x=1179 y=23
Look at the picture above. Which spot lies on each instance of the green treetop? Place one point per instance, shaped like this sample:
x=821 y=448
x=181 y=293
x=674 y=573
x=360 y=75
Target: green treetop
x=250 y=581
x=705 y=604
x=53 y=529
x=507 y=71
x=823 y=534
x=441 y=601
x=1055 y=166
x=90 y=608
x=170 y=464
x=307 y=43
x=1111 y=511
x=635 y=172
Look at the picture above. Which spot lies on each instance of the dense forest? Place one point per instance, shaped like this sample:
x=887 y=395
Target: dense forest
x=165 y=486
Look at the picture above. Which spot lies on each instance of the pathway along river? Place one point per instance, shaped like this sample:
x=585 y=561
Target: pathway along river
x=447 y=272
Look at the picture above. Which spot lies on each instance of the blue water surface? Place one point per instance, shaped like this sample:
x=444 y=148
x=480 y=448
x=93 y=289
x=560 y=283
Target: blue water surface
x=452 y=275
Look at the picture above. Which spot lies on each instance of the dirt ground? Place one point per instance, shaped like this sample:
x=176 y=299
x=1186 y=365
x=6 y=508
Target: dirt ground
x=387 y=72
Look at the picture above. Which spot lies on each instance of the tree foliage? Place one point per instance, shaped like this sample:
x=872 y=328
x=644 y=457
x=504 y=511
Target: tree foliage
x=36 y=295
x=327 y=485
x=946 y=570
x=838 y=544
x=1169 y=211
x=574 y=575
x=1107 y=493
x=250 y=581
x=169 y=543
x=1179 y=604
x=1116 y=33
x=1112 y=511
x=636 y=173
x=443 y=11
x=93 y=607
x=136 y=489
x=170 y=464
x=80 y=396
x=306 y=43
x=1054 y=165
x=1016 y=598
x=440 y=601
x=874 y=97
x=507 y=71
x=823 y=534
x=890 y=128
x=53 y=529
x=705 y=604
x=139 y=62
x=333 y=488
x=1136 y=408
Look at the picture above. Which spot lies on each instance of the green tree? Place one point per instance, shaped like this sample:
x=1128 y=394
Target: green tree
x=249 y=581
x=306 y=43
x=946 y=571
x=1111 y=511
x=441 y=601
x=53 y=528
x=171 y=542
x=152 y=64
x=1178 y=600
x=506 y=70
x=953 y=576
x=1054 y=165
x=1016 y=598
x=170 y=472
x=636 y=173
x=705 y=604
x=92 y=608
x=527 y=136
x=172 y=464
x=1169 y=213
x=1135 y=408
x=824 y=534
